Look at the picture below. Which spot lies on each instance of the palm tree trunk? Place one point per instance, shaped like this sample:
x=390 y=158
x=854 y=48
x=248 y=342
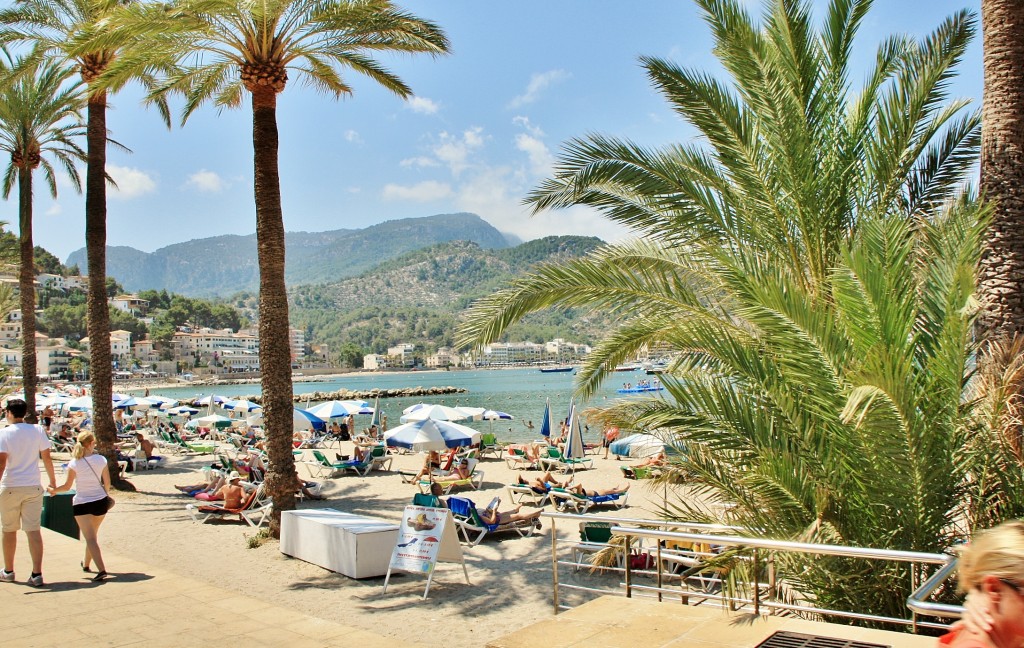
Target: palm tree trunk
x=26 y=284
x=1002 y=168
x=97 y=309
x=275 y=356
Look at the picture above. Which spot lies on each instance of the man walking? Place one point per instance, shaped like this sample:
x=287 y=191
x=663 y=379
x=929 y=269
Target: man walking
x=21 y=494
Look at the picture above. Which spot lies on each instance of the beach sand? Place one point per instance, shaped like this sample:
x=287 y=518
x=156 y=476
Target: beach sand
x=511 y=576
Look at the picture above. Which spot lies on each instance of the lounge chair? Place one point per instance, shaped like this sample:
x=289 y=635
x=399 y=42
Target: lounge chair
x=555 y=460
x=323 y=468
x=563 y=499
x=473 y=529
x=516 y=459
x=475 y=480
x=641 y=472
x=255 y=509
x=525 y=494
x=489 y=445
x=594 y=537
x=433 y=501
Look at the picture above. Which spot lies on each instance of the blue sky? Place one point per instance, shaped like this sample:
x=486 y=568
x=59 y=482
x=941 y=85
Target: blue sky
x=484 y=128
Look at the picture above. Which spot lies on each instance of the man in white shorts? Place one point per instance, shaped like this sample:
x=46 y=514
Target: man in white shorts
x=21 y=494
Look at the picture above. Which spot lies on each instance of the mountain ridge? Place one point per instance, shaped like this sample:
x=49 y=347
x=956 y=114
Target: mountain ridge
x=226 y=264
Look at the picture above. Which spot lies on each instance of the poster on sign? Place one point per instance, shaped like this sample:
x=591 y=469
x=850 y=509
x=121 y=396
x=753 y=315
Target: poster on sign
x=426 y=536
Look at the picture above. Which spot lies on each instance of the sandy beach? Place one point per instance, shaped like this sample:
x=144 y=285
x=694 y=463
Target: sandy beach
x=511 y=576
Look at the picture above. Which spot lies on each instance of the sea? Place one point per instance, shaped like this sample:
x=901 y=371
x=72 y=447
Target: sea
x=519 y=392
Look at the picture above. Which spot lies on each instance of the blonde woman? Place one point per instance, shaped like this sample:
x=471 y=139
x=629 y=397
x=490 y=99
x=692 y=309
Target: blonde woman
x=992 y=574
x=88 y=471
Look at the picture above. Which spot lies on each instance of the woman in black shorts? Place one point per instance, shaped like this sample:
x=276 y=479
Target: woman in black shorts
x=88 y=471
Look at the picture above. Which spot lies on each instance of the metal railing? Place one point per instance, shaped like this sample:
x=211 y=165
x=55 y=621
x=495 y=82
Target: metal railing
x=696 y=588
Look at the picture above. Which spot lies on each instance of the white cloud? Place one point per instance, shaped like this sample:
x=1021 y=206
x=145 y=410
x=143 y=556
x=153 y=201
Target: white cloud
x=352 y=136
x=521 y=120
x=425 y=191
x=541 y=160
x=454 y=150
x=424 y=105
x=206 y=181
x=54 y=210
x=354 y=190
x=421 y=161
x=131 y=183
x=538 y=83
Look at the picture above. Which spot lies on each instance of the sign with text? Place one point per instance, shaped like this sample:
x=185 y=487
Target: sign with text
x=426 y=536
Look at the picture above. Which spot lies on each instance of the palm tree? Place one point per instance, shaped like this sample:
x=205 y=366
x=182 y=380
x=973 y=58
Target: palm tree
x=38 y=118
x=230 y=49
x=1002 y=161
x=812 y=262
x=56 y=29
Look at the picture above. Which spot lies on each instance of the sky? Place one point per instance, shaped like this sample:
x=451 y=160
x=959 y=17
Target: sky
x=484 y=128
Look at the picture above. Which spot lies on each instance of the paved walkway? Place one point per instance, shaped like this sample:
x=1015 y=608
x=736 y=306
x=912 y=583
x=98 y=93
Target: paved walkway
x=145 y=606
x=618 y=622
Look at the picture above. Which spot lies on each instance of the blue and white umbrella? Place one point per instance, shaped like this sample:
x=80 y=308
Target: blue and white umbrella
x=430 y=434
x=80 y=404
x=435 y=412
x=545 y=422
x=182 y=410
x=301 y=420
x=241 y=405
x=131 y=401
x=340 y=409
x=207 y=400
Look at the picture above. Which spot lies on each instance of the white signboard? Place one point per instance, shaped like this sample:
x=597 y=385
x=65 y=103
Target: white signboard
x=426 y=536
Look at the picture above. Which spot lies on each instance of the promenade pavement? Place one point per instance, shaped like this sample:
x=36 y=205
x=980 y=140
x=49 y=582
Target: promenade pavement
x=141 y=605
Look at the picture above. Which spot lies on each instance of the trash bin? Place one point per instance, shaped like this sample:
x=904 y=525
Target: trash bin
x=58 y=515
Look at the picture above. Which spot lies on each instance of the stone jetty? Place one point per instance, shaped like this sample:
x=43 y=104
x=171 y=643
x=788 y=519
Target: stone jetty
x=367 y=394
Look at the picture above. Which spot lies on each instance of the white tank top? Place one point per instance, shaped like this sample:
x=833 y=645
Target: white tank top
x=88 y=478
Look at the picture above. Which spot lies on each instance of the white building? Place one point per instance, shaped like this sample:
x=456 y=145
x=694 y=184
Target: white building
x=402 y=355
x=444 y=357
x=375 y=362
x=130 y=304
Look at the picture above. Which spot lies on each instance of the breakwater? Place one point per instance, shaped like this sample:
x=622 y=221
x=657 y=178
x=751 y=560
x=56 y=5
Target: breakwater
x=367 y=394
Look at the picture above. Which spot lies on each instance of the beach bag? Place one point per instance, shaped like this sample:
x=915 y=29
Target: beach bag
x=641 y=560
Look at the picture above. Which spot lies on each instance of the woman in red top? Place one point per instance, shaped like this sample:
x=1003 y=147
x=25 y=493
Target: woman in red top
x=992 y=573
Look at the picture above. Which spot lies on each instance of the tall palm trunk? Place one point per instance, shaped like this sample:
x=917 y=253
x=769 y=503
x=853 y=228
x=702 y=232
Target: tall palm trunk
x=96 y=251
x=26 y=284
x=1002 y=168
x=275 y=356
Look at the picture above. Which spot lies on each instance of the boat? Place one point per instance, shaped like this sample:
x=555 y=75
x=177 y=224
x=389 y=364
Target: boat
x=555 y=369
x=627 y=367
x=639 y=390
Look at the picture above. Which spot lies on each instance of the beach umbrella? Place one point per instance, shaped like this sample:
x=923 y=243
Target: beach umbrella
x=210 y=421
x=80 y=404
x=206 y=401
x=574 y=443
x=637 y=445
x=377 y=415
x=340 y=409
x=162 y=401
x=494 y=415
x=431 y=434
x=472 y=413
x=301 y=420
x=436 y=412
x=241 y=405
x=545 y=422
x=182 y=410
x=125 y=403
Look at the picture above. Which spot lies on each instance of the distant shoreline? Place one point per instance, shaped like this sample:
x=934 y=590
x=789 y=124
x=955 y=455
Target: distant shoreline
x=134 y=386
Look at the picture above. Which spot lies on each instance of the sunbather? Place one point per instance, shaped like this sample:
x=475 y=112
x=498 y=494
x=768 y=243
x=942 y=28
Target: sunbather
x=304 y=487
x=654 y=461
x=578 y=489
x=531 y=451
x=458 y=473
x=542 y=484
x=216 y=481
x=431 y=463
x=147 y=446
x=231 y=493
x=493 y=516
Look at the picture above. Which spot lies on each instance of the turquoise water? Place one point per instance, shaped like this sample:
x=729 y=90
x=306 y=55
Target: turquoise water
x=519 y=392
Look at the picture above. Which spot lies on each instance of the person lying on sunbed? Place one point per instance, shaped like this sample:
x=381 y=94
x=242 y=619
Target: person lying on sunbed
x=231 y=493
x=304 y=487
x=654 y=461
x=431 y=463
x=531 y=451
x=491 y=515
x=458 y=473
x=578 y=489
x=216 y=481
x=542 y=484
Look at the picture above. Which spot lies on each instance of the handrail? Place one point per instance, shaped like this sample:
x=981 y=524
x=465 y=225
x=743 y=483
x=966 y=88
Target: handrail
x=787 y=545
x=918 y=604
x=764 y=593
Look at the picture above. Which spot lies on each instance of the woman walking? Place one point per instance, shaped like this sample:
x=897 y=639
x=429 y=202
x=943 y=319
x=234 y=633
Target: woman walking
x=88 y=471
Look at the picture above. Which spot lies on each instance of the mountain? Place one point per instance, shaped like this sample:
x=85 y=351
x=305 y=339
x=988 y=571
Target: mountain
x=224 y=265
x=419 y=296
